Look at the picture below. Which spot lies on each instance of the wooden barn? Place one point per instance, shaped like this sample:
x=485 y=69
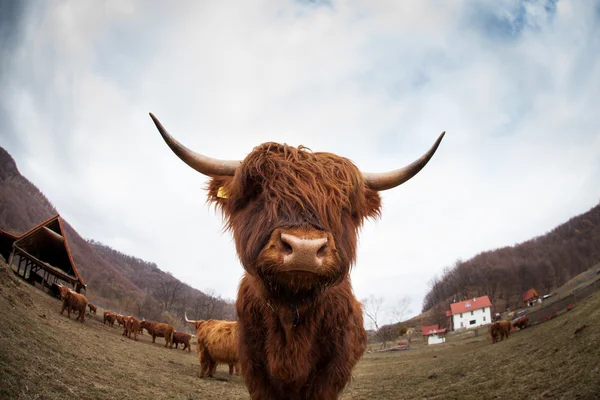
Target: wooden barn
x=42 y=256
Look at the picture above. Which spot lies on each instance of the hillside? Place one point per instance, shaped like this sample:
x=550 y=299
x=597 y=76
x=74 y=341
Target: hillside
x=544 y=263
x=114 y=280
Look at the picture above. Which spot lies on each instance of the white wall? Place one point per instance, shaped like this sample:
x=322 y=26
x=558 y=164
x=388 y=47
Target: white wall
x=435 y=339
x=483 y=316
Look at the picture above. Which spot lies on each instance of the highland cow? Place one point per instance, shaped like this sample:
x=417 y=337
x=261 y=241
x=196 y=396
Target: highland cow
x=92 y=308
x=295 y=217
x=132 y=325
x=217 y=342
x=500 y=330
x=110 y=318
x=74 y=302
x=521 y=323
x=158 y=329
x=184 y=339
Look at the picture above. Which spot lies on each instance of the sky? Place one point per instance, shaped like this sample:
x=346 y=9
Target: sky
x=515 y=85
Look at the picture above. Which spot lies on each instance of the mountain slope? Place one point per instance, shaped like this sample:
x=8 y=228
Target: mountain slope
x=505 y=274
x=116 y=281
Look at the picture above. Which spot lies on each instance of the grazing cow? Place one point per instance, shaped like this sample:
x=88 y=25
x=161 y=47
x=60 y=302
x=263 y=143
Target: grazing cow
x=63 y=290
x=92 y=308
x=500 y=329
x=158 y=329
x=120 y=319
x=217 y=342
x=132 y=325
x=521 y=323
x=184 y=339
x=74 y=302
x=110 y=318
x=295 y=217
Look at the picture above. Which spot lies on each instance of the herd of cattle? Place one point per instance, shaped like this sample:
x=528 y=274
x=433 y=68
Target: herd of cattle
x=216 y=340
x=502 y=329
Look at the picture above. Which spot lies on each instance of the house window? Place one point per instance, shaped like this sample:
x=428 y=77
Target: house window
x=461 y=315
x=484 y=318
x=472 y=322
x=471 y=312
x=462 y=324
x=483 y=309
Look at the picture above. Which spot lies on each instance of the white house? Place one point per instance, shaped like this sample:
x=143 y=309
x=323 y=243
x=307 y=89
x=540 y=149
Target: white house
x=434 y=334
x=471 y=313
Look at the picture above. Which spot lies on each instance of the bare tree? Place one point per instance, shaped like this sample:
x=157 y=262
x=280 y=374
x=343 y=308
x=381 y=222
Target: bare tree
x=401 y=310
x=372 y=310
x=168 y=292
x=209 y=306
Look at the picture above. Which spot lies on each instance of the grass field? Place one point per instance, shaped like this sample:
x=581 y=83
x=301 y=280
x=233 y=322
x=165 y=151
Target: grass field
x=44 y=355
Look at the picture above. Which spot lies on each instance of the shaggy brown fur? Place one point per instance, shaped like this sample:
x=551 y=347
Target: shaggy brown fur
x=110 y=318
x=500 y=330
x=158 y=329
x=301 y=333
x=74 y=302
x=92 y=308
x=521 y=323
x=120 y=319
x=183 y=338
x=217 y=343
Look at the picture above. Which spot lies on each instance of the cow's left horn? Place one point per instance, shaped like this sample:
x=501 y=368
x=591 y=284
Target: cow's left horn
x=201 y=163
x=391 y=179
x=186 y=318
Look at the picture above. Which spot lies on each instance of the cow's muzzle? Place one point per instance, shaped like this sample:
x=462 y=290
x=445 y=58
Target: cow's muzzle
x=302 y=250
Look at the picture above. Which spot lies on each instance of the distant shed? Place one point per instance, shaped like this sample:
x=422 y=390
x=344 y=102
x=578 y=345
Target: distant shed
x=531 y=297
x=42 y=255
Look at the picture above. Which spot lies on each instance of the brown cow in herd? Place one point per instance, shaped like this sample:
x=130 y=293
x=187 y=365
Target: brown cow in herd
x=217 y=342
x=521 y=323
x=131 y=325
x=184 y=339
x=120 y=319
x=500 y=330
x=110 y=318
x=295 y=217
x=74 y=302
x=158 y=329
x=92 y=308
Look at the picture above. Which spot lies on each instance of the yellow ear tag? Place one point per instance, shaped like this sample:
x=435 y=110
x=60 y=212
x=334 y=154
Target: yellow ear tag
x=222 y=193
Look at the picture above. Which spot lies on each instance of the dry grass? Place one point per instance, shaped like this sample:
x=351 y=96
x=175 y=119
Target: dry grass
x=45 y=355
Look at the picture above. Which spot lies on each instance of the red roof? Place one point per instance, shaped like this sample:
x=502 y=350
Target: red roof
x=432 y=330
x=530 y=294
x=448 y=313
x=470 y=305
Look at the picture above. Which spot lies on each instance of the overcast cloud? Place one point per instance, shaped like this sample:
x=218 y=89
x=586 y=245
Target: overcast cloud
x=514 y=84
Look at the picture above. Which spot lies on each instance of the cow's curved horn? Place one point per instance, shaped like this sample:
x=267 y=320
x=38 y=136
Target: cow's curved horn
x=201 y=163
x=391 y=179
x=189 y=321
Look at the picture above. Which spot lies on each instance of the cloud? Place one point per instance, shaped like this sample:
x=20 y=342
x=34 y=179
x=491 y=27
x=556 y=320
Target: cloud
x=513 y=83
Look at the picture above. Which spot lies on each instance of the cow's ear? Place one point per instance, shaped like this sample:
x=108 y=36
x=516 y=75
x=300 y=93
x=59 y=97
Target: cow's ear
x=373 y=204
x=218 y=190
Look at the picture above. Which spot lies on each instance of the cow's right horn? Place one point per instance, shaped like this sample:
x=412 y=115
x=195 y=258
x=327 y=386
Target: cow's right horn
x=201 y=163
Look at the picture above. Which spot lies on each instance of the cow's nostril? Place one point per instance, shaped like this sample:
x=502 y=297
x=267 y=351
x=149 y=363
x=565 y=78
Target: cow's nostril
x=286 y=248
x=321 y=252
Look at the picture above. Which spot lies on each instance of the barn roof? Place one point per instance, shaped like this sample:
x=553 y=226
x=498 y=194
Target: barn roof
x=530 y=294
x=47 y=244
x=432 y=330
x=469 y=305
